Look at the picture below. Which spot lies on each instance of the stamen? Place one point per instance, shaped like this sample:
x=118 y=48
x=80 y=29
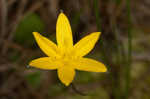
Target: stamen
x=61 y=11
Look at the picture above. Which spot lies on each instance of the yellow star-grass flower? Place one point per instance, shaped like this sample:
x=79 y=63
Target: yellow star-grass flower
x=66 y=57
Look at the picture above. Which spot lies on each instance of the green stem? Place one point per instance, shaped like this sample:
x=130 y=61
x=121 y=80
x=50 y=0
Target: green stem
x=115 y=88
x=117 y=93
x=128 y=67
x=97 y=15
x=98 y=23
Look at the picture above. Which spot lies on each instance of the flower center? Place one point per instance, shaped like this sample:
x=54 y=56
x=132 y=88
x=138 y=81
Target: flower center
x=66 y=59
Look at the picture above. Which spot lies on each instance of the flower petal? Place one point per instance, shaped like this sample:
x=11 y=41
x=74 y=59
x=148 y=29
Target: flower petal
x=46 y=45
x=45 y=63
x=85 y=45
x=64 y=33
x=66 y=75
x=86 y=64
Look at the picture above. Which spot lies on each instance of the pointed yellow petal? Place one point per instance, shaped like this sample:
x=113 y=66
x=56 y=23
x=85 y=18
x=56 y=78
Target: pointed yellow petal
x=85 y=45
x=45 y=63
x=47 y=46
x=86 y=64
x=66 y=75
x=64 y=33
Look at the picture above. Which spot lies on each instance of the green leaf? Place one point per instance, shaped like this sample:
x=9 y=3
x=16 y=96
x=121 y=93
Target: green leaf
x=30 y=23
x=34 y=79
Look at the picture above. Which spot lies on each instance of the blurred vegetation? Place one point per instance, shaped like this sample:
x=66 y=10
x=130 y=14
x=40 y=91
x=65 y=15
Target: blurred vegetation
x=123 y=47
x=29 y=24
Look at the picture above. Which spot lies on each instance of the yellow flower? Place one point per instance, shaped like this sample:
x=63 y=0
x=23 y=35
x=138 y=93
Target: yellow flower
x=66 y=57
